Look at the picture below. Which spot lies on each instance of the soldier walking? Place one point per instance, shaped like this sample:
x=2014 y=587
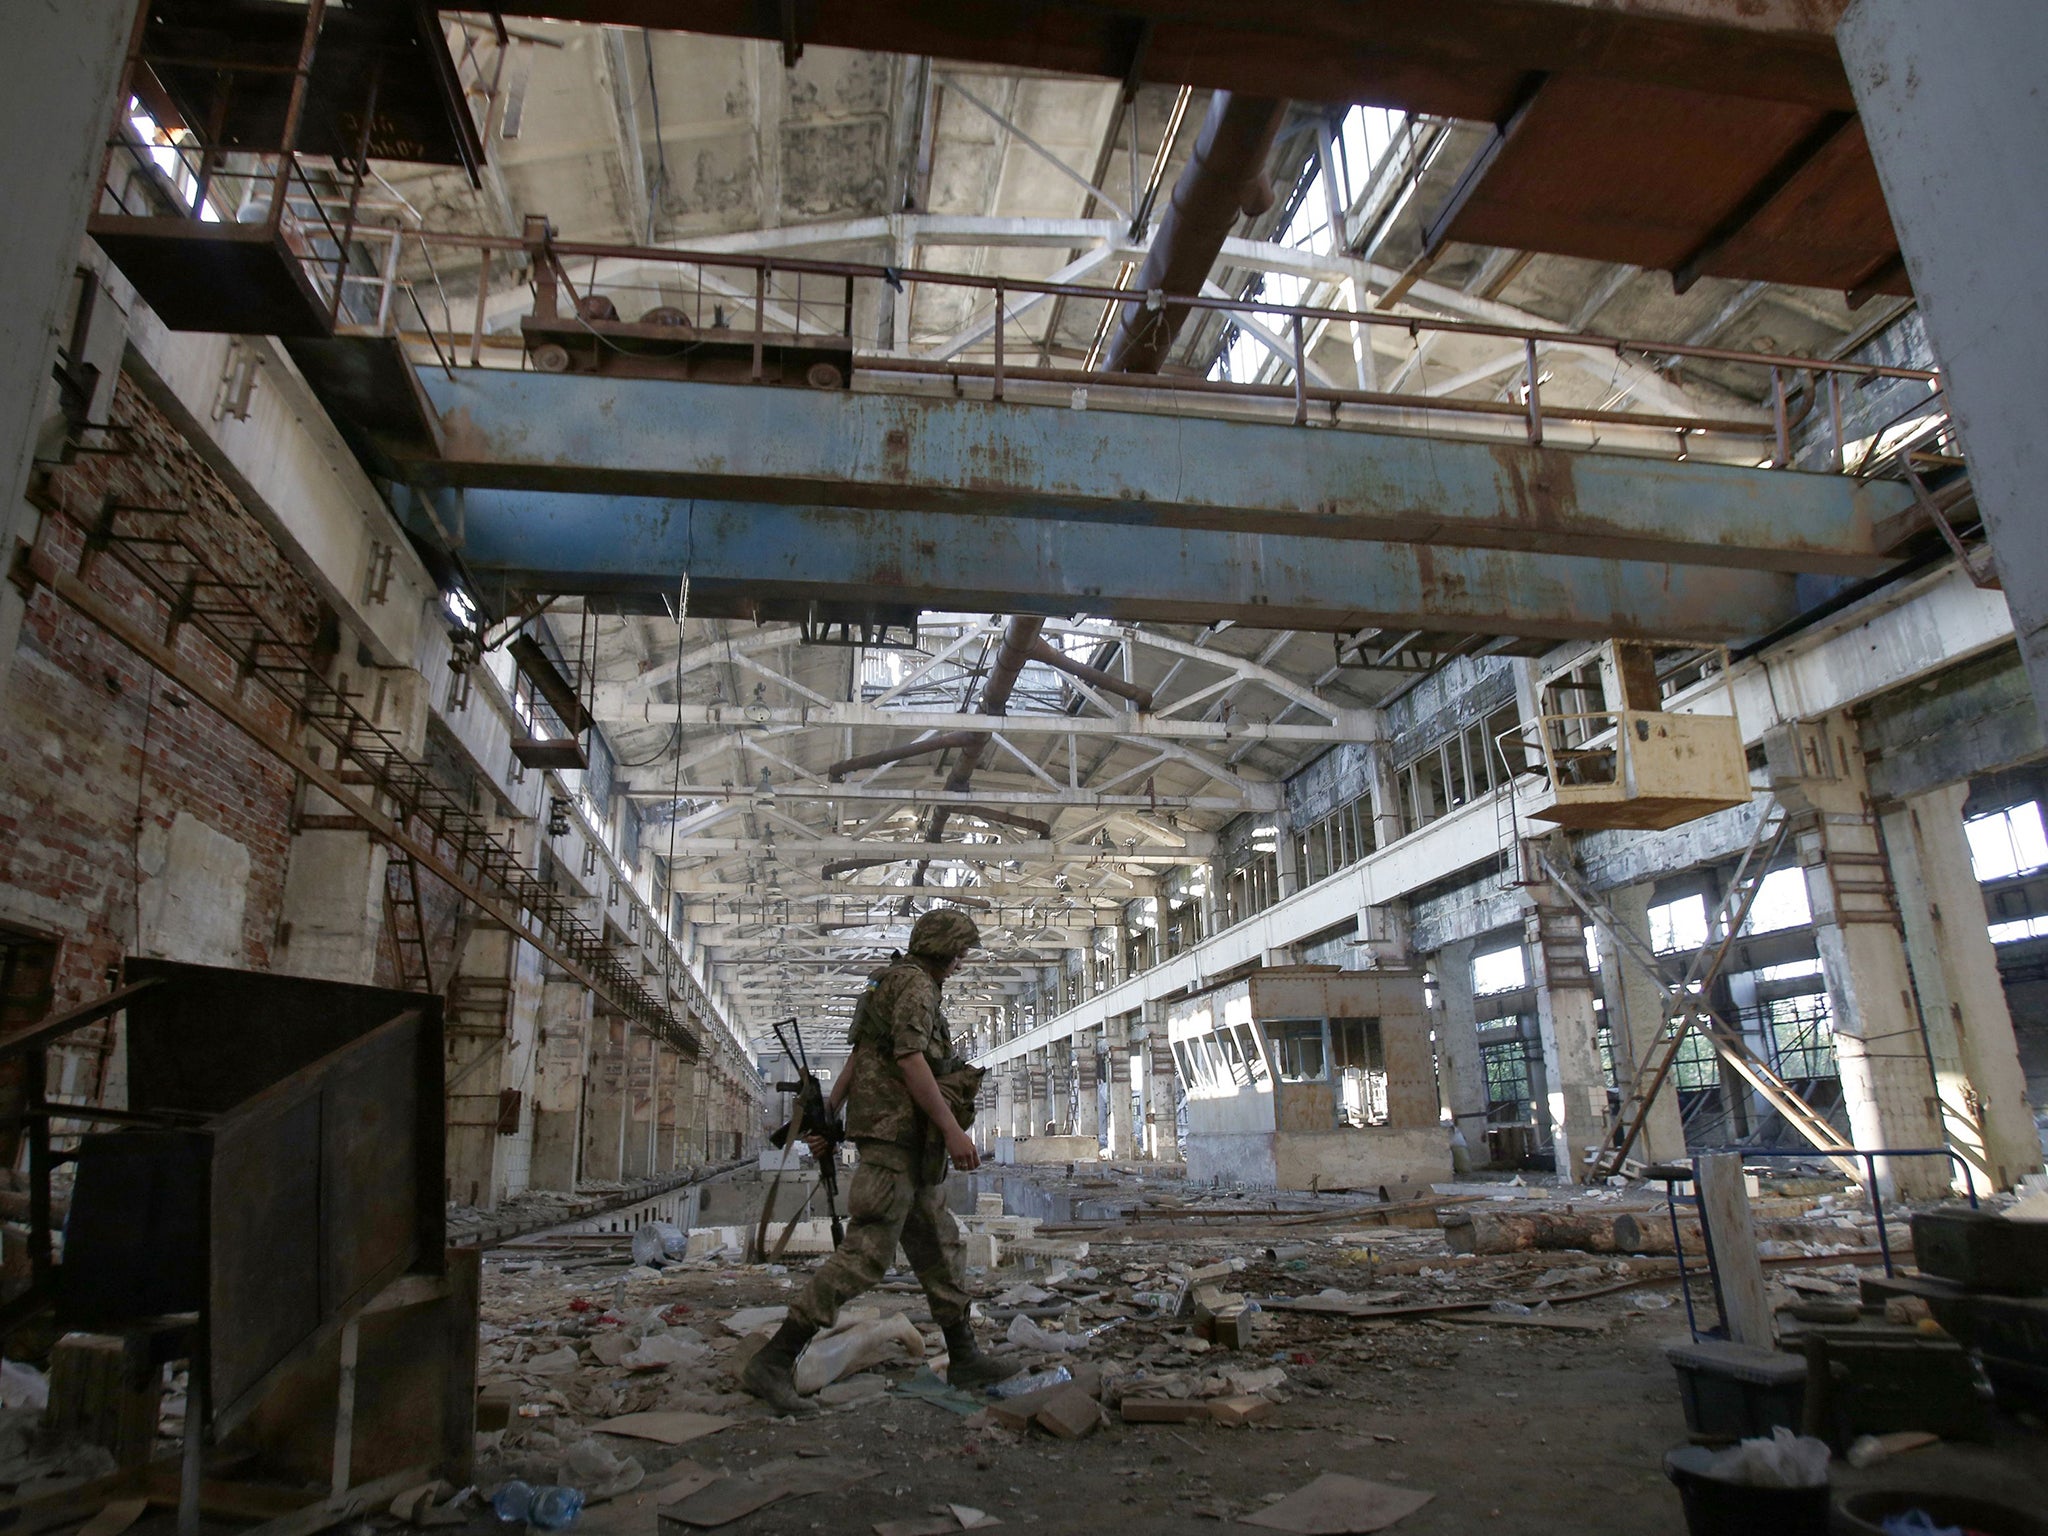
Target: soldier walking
x=908 y=1099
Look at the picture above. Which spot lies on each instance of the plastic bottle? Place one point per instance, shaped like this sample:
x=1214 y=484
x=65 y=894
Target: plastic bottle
x=555 y=1508
x=1037 y=1381
x=654 y=1241
x=547 y=1508
x=513 y=1502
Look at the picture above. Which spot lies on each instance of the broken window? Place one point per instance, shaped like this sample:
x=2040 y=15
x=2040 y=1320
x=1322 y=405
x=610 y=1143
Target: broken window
x=1298 y=1049
x=1508 y=1097
x=1360 y=1060
x=1679 y=926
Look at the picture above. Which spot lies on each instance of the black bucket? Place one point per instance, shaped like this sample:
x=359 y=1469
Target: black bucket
x=1714 y=1507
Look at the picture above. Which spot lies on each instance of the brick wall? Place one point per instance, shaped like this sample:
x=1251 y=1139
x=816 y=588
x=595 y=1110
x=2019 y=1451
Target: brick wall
x=100 y=757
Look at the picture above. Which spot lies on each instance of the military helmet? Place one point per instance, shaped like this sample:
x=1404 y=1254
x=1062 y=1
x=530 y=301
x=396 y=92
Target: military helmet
x=943 y=934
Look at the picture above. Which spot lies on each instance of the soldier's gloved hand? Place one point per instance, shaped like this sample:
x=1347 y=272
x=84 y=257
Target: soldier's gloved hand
x=960 y=1147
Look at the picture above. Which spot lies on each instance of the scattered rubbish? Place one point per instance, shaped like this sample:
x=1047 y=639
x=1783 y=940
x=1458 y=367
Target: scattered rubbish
x=658 y=1240
x=669 y=1428
x=833 y=1355
x=115 y=1516
x=659 y=1351
x=1869 y=1450
x=600 y=1473
x=419 y=1505
x=754 y=1319
x=729 y=1498
x=958 y=1517
x=1337 y=1505
x=23 y=1386
x=1784 y=1460
x=547 y=1508
x=1068 y=1413
x=1647 y=1301
x=553 y=1362
x=1035 y=1381
x=684 y=1479
x=926 y=1386
x=854 y=1389
x=1028 y=1335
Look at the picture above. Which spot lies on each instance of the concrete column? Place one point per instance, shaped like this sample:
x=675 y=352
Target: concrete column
x=1635 y=1014
x=1162 y=1099
x=1387 y=825
x=1962 y=1000
x=1040 y=1104
x=687 y=1122
x=1949 y=97
x=1060 y=1069
x=1087 y=1095
x=1461 y=1074
x=639 y=1150
x=666 y=1116
x=1116 y=1068
x=604 y=1102
x=477 y=1026
x=1575 y=1086
x=1291 y=872
x=559 y=1075
x=54 y=119
x=1887 y=1082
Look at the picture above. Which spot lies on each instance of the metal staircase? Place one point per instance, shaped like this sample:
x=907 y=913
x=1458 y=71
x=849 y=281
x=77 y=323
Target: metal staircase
x=406 y=923
x=1685 y=1001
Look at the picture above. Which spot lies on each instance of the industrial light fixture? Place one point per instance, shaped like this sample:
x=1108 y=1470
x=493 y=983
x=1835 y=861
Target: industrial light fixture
x=765 y=793
x=757 y=710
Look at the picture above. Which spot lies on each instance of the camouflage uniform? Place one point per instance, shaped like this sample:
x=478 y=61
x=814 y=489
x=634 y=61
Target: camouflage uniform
x=899 y=1189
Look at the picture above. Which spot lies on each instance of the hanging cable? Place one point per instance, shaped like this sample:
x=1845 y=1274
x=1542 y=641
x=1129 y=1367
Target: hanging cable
x=668 y=895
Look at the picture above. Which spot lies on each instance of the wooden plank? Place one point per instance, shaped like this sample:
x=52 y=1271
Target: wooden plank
x=1731 y=1245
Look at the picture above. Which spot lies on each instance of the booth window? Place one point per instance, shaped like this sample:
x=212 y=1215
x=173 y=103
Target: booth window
x=1298 y=1049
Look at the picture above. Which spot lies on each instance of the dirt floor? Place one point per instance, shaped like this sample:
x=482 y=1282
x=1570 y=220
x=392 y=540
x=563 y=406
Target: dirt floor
x=1551 y=1421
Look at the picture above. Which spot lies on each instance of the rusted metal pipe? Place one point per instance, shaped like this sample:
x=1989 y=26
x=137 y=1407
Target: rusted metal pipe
x=945 y=741
x=1225 y=178
x=987 y=813
x=1043 y=650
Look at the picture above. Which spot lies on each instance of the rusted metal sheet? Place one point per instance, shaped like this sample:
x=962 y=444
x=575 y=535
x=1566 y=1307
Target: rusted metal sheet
x=299 y=1173
x=523 y=431
x=1452 y=57
x=1688 y=181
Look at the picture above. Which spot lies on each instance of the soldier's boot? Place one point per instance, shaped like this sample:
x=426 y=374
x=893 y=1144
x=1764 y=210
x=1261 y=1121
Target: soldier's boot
x=771 y=1374
x=967 y=1367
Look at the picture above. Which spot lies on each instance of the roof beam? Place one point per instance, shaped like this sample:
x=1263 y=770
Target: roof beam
x=1264 y=797
x=1196 y=847
x=1351 y=724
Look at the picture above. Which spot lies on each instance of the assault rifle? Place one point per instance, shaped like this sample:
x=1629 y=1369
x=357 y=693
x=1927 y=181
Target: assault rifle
x=811 y=1119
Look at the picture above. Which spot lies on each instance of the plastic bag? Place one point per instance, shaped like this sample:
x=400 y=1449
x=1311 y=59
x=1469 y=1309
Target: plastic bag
x=1027 y=1334
x=23 y=1386
x=830 y=1356
x=1917 y=1522
x=1785 y=1460
x=655 y=1241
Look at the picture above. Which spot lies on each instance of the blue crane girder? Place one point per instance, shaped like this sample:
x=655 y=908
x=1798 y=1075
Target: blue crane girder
x=911 y=453
x=745 y=557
